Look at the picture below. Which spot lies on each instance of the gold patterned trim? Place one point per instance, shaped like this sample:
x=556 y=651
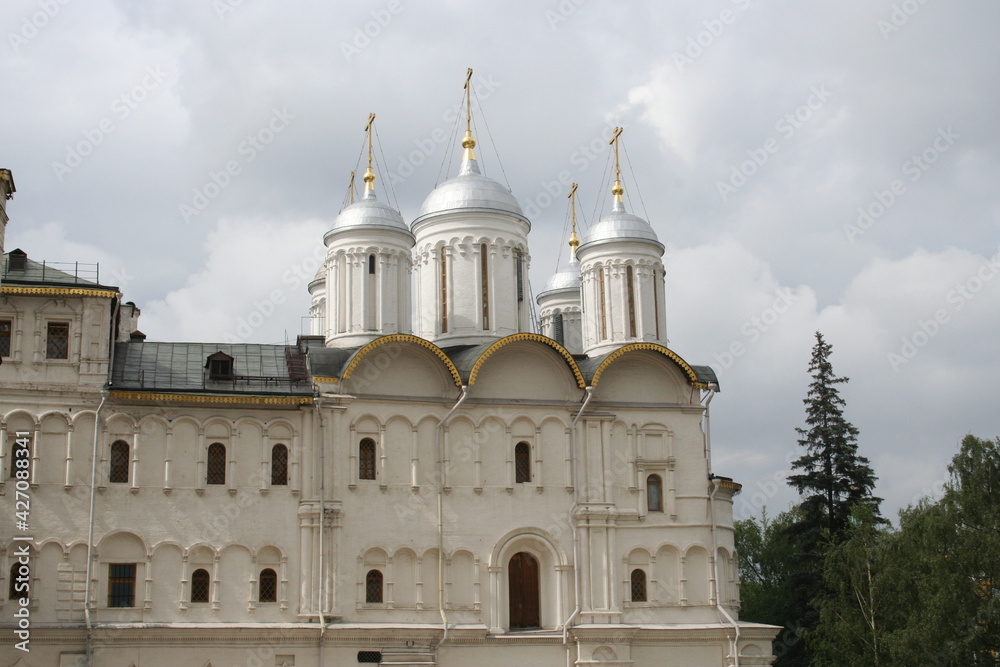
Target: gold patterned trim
x=58 y=291
x=325 y=379
x=667 y=352
x=208 y=398
x=538 y=338
x=731 y=486
x=402 y=338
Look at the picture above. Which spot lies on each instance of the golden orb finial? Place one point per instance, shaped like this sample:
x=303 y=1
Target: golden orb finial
x=369 y=179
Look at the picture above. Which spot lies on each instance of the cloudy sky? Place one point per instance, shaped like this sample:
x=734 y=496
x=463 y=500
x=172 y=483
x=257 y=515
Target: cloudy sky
x=809 y=166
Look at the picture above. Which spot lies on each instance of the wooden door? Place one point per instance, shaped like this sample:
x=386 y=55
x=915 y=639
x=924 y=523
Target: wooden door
x=523 y=594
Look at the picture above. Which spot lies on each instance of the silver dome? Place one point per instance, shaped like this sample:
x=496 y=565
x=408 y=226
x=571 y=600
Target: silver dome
x=620 y=226
x=470 y=190
x=567 y=279
x=370 y=213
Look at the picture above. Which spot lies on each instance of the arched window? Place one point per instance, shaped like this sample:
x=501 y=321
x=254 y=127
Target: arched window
x=216 y=470
x=366 y=459
x=371 y=264
x=484 y=278
x=118 y=471
x=638 y=586
x=373 y=587
x=199 y=586
x=267 y=586
x=656 y=301
x=444 y=291
x=522 y=463
x=603 y=303
x=654 y=493
x=279 y=465
x=20 y=458
x=18 y=585
x=630 y=278
x=557 y=329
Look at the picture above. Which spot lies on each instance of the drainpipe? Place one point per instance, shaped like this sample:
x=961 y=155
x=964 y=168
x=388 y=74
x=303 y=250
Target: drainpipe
x=712 y=388
x=440 y=508
x=715 y=559
x=572 y=521
x=90 y=533
x=322 y=525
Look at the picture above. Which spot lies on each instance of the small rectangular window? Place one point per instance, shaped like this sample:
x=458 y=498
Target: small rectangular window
x=57 y=341
x=4 y=338
x=121 y=585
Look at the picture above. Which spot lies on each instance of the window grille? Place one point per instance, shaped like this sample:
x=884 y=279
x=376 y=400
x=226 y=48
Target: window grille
x=4 y=338
x=373 y=587
x=118 y=473
x=558 y=329
x=121 y=584
x=199 y=586
x=279 y=465
x=268 y=586
x=216 y=471
x=638 y=586
x=57 y=341
x=366 y=459
x=522 y=463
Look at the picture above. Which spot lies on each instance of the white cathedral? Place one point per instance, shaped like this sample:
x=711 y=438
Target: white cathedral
x=423 y=480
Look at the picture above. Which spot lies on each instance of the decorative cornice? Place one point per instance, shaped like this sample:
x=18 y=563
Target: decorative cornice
x=402 y=338
x=211 y=398
x=58 y=291
x=326 y=379
x=654 y=347
x=537 y=338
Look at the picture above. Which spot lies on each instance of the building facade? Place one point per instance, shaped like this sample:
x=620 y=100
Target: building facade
x=424 y=480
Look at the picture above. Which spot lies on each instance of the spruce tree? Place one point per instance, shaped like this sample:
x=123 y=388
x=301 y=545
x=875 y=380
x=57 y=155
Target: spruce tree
x=832 y=479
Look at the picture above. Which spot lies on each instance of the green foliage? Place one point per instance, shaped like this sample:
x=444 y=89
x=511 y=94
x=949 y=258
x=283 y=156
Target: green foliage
x=926 y=594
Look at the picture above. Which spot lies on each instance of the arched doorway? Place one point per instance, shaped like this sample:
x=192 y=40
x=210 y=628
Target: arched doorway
x=523 y=592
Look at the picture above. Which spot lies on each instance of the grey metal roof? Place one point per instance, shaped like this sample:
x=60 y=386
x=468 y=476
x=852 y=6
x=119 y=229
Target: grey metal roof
x=257 y=369
x=470 y=190
x=567 y=279
x=369 y=213
x=620 y=226
x=329 y=361
x=53 y=274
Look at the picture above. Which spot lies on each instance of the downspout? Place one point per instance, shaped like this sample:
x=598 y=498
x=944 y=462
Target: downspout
x=90 y=533
x=572 y=521
x=440 y=508
x=712 y=388
x=322 y=525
